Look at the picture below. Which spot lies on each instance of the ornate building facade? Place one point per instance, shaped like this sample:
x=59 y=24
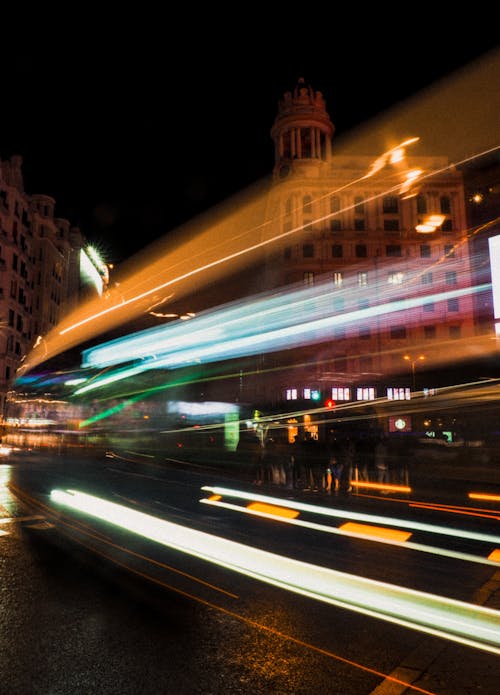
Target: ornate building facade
x=385 y=236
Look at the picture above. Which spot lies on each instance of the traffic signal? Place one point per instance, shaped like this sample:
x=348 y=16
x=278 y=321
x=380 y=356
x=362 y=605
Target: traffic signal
x=329 y=403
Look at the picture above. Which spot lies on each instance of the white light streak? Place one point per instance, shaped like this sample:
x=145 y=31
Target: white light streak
x=471 y=625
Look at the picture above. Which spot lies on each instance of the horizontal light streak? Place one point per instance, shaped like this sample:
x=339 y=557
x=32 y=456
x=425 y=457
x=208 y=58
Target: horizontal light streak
x=272 y=509
x=381 y=486
x=280 y=324
x=376 y=531
x=369 y=536
x=484 y=496
x=359 y=516
x=475 y=626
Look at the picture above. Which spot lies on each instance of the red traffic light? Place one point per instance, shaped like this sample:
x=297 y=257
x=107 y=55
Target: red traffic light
x=329 y=403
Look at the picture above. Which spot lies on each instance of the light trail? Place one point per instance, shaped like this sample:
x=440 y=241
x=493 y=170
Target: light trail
x=474 y=626
x=358 y=516
x=363 y=531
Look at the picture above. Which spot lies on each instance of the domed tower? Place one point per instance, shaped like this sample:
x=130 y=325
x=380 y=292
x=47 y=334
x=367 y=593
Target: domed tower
x=302 y=132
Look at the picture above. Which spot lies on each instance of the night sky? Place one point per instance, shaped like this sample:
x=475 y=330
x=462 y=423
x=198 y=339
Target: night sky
x=137 y=126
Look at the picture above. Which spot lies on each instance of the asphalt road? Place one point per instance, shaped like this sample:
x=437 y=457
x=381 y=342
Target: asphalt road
x=98 y=609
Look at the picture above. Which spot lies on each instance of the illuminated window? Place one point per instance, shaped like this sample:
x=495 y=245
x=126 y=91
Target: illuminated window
x=366 y=393
x=399 y=394
x=341 y=393
x=307 y=394
x=308 y=277
x=362 y=278
x=451 y=277
x=453 y=304
x=395 y=278
x=360 y=250
x=425 y=251
x=337 y=251
x=291 y=394
x=338 y=279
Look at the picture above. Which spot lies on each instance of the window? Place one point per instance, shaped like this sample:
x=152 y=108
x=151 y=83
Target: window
x=362 y=278
x=447 y=226
x=308 y=250
x=399 y=394
x=426 y=279
x=364 y=333
x=287 y=252
x=363 y=304
x=291 y=394
x=393 y=250
x=429 y=332
x=337 y=251
x=341 y=393
x=307 y=205
x=398 y=332
x=360 y=250
x=366 y=393
x=334 y=203
x=453 y=304
x=338 y=278
x=359 y=224
x=395 y=278
x=449 y=250
x=391 y=225
x=429 y=306
x=445 y=205
x=341 y=363
x=390 y=204
x=421 y=205
x=288 y=206
x=335 y=225
x=425 y=251
x=454 y=331
x=451 y=277
x=359 y=203
x=308 y=277
x=339 y=333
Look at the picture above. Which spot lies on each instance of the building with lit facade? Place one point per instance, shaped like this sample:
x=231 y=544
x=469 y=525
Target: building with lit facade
x=42 y=269
x=386 y=237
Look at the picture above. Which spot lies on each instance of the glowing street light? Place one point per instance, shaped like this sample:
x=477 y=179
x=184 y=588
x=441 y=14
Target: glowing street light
x=413 y=361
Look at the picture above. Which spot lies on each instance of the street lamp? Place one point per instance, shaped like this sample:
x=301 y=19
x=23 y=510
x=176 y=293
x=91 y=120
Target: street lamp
x=413 y=361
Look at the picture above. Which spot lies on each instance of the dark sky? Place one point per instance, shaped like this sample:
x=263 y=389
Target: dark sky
x=135 y=127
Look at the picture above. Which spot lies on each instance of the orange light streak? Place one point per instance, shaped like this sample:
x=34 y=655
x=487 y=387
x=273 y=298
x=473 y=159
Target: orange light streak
x=456 y=510
x=484 y=496
x=381 y=486
x=272 y=509
x=375 y=531
x=494 y=555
